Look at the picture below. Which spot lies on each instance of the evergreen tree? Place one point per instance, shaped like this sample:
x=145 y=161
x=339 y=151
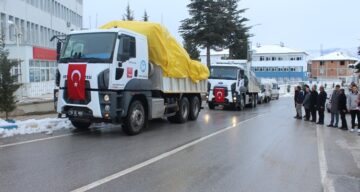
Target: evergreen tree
x=206 y=26
x=129 y=14
x=239 y=34
x=192 y=50
x=146 y=16
x=8 y=83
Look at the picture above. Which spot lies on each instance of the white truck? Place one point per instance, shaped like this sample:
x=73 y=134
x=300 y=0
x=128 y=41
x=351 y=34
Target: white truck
x=231 y=83
x=106 y=76
x=275 y=94
x=266 y=89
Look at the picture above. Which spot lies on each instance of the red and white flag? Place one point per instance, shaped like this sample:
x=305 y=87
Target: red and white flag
x=76 y=81
x=219 y=95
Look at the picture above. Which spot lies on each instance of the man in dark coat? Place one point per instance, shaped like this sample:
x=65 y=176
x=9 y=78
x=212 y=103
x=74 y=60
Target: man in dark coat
x=342 y=109
x=299 y=98
x=334 y=104
x=306 y=103
x=321 y=101
x=313 y=103
x=296 y=95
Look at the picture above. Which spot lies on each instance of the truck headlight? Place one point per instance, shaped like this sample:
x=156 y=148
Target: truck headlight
x=57 y=94
x=106 y=98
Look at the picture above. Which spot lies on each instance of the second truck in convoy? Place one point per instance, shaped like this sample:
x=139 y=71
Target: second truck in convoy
x=232 y=84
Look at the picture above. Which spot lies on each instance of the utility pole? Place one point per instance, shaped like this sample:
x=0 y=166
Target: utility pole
x=19 y=67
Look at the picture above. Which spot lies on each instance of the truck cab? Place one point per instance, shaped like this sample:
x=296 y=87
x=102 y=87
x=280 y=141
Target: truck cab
x=230 y=85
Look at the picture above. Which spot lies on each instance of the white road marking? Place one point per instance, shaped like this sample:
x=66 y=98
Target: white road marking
x=155 y=159
x=36 y=140
x=328 y=183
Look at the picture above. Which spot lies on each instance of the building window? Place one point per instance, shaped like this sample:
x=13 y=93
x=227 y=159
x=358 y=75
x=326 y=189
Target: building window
x=268 y=59
x=342 y=63
x=273 y=58
x=41 y=71
x=280 y=58
x=262 y=58
x=322 y=63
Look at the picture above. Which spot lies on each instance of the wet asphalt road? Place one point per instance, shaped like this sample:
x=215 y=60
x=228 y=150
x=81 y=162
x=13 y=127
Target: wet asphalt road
x=262 y=149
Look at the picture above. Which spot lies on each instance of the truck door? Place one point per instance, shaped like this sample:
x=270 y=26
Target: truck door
x=242 y=81
x=125 y=67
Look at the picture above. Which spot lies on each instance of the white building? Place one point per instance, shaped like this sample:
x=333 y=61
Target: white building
x=215 y=56
x=28 y=26
x=279 y=62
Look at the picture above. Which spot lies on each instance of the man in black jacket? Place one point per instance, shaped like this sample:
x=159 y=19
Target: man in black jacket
x=313 y=103
x=342 y=109
x=299 y=98
x=321 y=100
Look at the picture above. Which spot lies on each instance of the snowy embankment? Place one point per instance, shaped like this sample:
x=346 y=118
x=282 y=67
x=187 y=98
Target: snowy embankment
x=46 y=126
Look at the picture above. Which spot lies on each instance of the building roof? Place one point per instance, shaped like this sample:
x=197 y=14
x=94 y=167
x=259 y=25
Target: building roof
x=214 y=52
x=275 y=49
x=336 y=56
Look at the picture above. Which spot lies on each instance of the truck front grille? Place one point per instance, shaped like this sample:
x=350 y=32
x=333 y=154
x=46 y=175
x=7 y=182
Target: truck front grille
x=79 y=102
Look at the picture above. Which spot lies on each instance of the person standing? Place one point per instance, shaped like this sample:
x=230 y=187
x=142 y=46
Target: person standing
x=296 y=95
x=342 y=109
x=353 y=103
x=321 y=101
x=313 y=102
x=299 y=98
x=334 y=107
x=306 y=103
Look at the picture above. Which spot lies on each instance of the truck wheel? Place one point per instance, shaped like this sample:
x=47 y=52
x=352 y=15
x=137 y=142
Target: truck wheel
x=183 y=114
x=136 y=119
x=255 y=100
x=80 y=125
x=242 y=103
x=194 y=108
x=211 y=105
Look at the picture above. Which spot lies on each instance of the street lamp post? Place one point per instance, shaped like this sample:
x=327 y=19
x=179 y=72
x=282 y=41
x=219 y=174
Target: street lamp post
x=18 y=36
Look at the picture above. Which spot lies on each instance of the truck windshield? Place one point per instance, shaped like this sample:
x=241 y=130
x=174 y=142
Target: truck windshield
x=228 y=73
x=89 y=47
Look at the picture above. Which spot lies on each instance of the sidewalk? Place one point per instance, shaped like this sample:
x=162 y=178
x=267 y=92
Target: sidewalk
x=342 y=159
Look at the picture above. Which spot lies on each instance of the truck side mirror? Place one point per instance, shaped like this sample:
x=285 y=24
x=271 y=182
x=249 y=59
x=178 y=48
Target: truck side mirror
x=58 y=50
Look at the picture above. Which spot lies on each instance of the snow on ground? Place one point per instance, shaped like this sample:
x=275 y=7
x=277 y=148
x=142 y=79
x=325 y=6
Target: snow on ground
x=32 y=126
x=287 y=95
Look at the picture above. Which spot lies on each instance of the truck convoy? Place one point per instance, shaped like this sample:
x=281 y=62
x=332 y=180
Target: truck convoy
x=232 y=83
x=127 y=73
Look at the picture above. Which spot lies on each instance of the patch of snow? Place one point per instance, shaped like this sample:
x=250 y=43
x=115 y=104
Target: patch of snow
x=287 y=95
x=47 y=126
x=4 y=123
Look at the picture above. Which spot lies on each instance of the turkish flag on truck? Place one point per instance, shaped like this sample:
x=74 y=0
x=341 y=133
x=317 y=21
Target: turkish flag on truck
x=76 y=81
x=219 y=95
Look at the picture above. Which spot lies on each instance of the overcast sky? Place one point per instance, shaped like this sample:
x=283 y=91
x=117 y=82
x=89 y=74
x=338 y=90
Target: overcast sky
x=301 y=24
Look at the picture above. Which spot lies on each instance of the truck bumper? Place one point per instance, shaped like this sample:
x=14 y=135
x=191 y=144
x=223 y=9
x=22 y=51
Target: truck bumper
x=103 y=106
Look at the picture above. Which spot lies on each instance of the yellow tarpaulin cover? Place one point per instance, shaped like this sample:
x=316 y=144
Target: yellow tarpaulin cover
x=165 y=51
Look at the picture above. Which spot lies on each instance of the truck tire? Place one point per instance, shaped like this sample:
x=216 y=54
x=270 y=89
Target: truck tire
x=80 y=125
x=211 y=105
x=255 y=100
x=135 y=120
x=183 y=114
x=242 y=103
x=195 y=106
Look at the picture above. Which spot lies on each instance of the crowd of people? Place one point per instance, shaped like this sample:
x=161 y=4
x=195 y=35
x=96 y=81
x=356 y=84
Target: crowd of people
x=314 y=104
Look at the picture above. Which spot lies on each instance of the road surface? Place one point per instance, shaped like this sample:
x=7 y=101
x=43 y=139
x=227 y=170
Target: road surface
x=262 y=149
